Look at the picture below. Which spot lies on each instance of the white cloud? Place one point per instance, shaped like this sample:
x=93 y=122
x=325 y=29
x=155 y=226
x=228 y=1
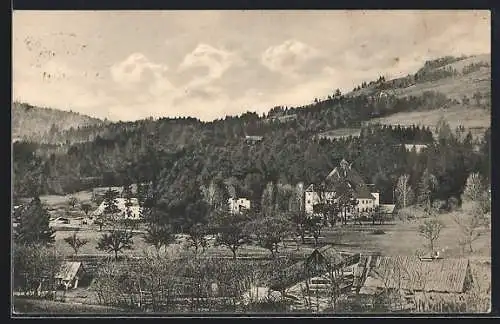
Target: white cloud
x=288 y=57
x=218 y=61
x=131 y=70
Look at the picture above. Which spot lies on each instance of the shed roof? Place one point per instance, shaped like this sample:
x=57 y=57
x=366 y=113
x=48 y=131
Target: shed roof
x=68 y=270
x=404 y=272
x=387 y=208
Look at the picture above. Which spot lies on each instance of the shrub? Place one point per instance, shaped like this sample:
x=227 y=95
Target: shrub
x=378 y=232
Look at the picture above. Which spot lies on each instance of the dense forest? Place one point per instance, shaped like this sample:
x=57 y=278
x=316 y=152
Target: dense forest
x=178 y=156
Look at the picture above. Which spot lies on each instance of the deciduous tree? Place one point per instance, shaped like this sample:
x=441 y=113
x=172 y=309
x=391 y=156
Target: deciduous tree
x=431 y=230
x=115 y=241
x=75 y=242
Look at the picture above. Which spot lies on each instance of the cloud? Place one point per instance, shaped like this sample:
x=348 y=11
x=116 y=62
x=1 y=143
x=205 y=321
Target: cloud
x=217 y=62
x=131 y=70
x=288 y=57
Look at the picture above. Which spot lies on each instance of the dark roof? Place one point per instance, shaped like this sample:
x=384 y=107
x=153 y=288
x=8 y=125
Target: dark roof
x=406 y=272
x=326 y=254
x=344 y=172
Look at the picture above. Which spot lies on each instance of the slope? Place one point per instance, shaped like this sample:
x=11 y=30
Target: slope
x=40 y=124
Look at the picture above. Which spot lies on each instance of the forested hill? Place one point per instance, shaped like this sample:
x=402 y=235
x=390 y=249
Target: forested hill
x=45 y=124
x=183 y=154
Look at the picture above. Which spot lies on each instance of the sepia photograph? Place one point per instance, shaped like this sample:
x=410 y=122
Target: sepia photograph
x=228 y=162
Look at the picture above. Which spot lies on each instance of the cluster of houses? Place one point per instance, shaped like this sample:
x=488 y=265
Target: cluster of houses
x=367 y=199
x=421 y=283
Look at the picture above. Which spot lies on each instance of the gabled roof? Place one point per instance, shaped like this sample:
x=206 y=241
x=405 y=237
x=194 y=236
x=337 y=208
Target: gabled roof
x=302 y=270
x=68 y=270
x=326 y=254
x=344 y=172
x=405 y=272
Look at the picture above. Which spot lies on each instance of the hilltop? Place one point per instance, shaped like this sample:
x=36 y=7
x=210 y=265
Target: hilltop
x=45 y=124
x=464 y=82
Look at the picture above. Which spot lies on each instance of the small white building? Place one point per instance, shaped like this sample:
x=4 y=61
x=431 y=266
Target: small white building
x=135 y=212
x=418 y=147
x=238 y=205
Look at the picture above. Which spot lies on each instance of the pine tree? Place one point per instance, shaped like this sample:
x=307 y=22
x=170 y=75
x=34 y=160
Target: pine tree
x=33 y=224
x=110 y=203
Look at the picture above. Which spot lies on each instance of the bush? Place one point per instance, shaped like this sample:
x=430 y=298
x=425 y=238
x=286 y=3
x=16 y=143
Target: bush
x=453 y=204
x=439 y=205
x=378 y=232
x=405 y=214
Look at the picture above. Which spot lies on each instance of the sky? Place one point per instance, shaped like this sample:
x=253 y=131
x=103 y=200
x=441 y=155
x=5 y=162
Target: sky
x=129 y=65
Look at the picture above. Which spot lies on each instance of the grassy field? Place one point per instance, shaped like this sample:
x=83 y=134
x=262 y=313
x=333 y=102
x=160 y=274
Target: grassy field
x=473 y=118
x=341 y=132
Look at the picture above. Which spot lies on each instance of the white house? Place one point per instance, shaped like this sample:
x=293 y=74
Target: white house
x=135 y=212
x=418 y=147
x=238 y=205
x=367 y=200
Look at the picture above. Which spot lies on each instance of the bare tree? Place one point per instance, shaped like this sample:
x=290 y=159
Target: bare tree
x=315 y=224
x=271 y=231
x=75 y=242
x=404 y=191
x=470 y=224
x=85 y=208
x=72 y=201
x=230 y=231
x=197 y=238
x=431 y=230
x=115 y=241
x=473 y=187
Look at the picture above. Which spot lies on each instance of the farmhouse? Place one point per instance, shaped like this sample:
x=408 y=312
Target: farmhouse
x=238 y=205
x=69 y=275
x=135 y=212
x=420 y=282
x=367 y=201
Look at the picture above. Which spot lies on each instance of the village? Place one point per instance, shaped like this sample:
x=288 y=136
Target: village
x=222 y=162
x=368 y=255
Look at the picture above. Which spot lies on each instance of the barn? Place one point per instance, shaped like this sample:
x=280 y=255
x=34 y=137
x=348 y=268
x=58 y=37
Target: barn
x=70 y=274
x=423 y=284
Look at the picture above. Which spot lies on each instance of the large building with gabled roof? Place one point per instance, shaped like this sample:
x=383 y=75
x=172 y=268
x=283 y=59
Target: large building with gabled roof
x=367 y=199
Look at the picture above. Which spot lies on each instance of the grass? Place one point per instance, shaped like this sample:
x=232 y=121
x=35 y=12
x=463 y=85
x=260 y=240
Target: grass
x=402 y=238
x=473 y=118
x=341 y=132
x=26 y=306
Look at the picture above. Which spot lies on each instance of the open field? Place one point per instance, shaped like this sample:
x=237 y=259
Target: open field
x=402 y=238
x=453 y=87
x=475 y=119
x=341 y=132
